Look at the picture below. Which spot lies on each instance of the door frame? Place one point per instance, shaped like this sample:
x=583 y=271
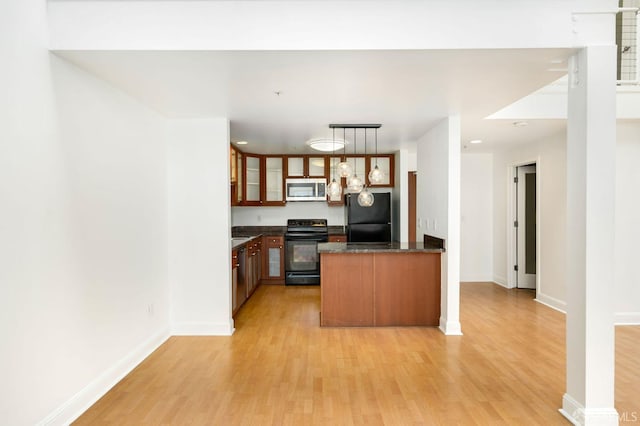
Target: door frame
x=512 y=172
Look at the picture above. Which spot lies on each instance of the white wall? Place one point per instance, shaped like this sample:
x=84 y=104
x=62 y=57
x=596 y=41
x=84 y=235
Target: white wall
x=476 y=222
x=199 y=226
x=550 y=156
x=627 y=224
x=438 y=209
x=400 y=198
x=83 y=225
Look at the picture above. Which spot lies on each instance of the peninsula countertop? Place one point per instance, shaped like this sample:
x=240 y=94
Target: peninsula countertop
x=392 y=247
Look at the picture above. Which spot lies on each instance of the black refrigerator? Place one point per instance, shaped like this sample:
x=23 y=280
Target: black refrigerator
x=368 y=224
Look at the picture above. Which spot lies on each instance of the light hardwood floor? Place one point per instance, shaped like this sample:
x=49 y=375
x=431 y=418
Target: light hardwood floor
x=280 y=367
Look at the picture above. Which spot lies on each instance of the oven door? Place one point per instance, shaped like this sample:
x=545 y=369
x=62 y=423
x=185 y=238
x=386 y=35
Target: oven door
x=301 y=258
x=302 y=254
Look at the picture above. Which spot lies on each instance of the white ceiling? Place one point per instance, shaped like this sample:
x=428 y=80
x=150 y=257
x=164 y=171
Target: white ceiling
x=406 y=91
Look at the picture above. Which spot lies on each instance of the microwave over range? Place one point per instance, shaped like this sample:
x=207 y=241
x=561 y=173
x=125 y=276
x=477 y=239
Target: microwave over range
x=306 y=189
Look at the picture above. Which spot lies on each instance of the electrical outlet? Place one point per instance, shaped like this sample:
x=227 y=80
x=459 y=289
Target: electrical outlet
x=435 y=225
x=150 y=309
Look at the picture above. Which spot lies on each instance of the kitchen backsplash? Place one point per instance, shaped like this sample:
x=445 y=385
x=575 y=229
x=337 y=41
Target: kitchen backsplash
x=277 y=216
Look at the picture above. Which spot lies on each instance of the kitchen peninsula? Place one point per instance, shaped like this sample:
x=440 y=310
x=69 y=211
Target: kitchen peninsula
x=379 y=284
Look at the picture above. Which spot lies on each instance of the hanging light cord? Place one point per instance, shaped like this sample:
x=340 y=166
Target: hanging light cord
x=376 y=147
x=344 y=147
x=334 y=150
x=355 y=151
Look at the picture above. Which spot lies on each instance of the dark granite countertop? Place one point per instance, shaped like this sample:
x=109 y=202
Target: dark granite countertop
x=237 y=242
x=249 y=231
x=393 y=247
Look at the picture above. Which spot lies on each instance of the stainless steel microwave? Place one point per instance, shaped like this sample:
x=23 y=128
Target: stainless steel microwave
x=306 y=189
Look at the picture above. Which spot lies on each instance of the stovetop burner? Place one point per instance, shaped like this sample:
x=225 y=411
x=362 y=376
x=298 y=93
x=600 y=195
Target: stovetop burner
x=315 y=226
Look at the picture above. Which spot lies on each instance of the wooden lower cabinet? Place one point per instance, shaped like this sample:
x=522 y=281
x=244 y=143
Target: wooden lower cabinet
x=246 y=269
x=346 y=289
x=380 y=289
x=273 y=259
x=337 y=238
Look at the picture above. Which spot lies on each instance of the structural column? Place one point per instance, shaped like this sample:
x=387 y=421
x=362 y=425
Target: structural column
x=450 y=306
x=591 y=143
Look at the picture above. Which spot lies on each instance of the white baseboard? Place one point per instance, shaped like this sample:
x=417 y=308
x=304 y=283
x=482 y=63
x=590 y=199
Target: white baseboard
x=450 y=328
x=551 y=302
x=202 y=329
x=577 y=414
x=627 y=318
x=85 y=398
x=472 y=279
x=500 y=280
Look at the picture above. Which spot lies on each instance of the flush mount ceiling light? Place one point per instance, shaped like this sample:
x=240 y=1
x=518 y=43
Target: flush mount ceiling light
x=520 y=123
x=475 y=141
x=242 y=143
x=326 y=144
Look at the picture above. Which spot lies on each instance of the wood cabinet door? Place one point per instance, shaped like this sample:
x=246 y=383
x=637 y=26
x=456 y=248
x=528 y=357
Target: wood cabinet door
x=346 y=289
x=253 y=180
x=273 y=258
x=385 y=164
x=274 y=172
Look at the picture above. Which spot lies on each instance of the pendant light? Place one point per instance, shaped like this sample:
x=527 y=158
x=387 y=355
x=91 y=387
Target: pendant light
x=376 y=176
x=334 y=189
x=344 y=168
x=354 y=184
x=365 y=197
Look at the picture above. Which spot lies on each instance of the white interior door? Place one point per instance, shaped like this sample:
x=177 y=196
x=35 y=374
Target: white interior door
x=526 y=224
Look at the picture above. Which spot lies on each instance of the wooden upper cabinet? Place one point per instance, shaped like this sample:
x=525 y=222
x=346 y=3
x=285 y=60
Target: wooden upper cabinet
x=358 y=166
x=317 y=167
x=274 y=172
x=239 y=191
x=259 y=180
x=233 y=165
x=385 y=164
x=253 y=180
x=307 y=166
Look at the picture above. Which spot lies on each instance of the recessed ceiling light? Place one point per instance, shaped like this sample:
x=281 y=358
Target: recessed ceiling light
x=475 y=141
x=242 y=143
x=520 y=123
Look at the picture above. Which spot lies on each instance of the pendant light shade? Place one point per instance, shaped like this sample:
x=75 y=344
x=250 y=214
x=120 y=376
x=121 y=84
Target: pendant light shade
x=355 y=184
x=365 y=198
x=344 y=168
x=376 y=176
x=334 y=189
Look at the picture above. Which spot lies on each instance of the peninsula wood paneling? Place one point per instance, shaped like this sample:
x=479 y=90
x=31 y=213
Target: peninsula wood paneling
x=407 y=289
x=347 y=289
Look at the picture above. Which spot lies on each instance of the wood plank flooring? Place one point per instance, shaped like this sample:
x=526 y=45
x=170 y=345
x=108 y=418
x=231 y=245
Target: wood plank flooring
x=281 y=368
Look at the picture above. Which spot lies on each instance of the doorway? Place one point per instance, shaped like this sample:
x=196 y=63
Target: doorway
x=525 y=225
